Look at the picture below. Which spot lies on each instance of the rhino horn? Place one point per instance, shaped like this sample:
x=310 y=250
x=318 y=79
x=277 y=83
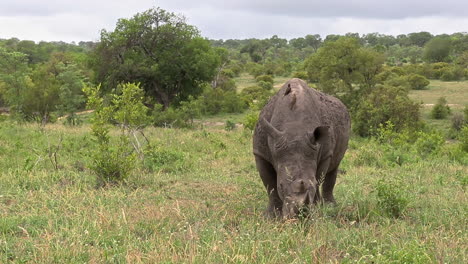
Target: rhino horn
x=271 y=130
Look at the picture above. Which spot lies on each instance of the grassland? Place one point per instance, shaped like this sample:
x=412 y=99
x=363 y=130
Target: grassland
x=202 y=201
x=205 y=206
x=456 y=93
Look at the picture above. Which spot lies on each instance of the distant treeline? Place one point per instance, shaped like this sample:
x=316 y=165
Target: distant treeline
x=184 y=75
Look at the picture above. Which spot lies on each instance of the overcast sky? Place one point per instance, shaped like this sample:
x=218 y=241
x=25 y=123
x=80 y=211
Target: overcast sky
x=81 y=20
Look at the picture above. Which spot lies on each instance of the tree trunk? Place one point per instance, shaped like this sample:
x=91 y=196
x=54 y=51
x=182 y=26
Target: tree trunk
x=162 y=97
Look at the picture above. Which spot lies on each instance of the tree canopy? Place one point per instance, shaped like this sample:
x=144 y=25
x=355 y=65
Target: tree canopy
x=160 y=51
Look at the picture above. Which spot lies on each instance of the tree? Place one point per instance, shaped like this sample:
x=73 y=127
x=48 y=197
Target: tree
x=419 y=38
x=71 y=94
x=437 y=49
x=345 y=69
x=14 y=74
x=160 y=51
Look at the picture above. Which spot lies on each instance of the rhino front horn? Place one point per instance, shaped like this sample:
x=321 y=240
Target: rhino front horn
x=271 y=131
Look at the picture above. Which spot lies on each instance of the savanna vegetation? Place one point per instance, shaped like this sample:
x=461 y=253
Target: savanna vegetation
x=137 y=148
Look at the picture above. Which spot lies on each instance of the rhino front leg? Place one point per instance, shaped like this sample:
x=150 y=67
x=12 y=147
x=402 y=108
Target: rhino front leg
x=268 y=175
x=328 y=185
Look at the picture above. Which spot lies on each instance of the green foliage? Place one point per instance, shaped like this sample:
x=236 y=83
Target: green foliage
x=181 y=117
x=458 y=120
x=129 y=112
x=160 y=51
x=255 y=69
x=113 y=162
x=437 y=49
x=214 y=101
x=392 y=198
x=265 y=78
x=440 y=110
x=71 y=95
x=256 y=97
x=159 y=158
x=386 y=103
x=300 y=74
x=452 y=73
x=250 y=120
x=15 y=80
x=229 y=125
x=345 y=69
x=417 y=82
x=428 y=143
x=463 y=137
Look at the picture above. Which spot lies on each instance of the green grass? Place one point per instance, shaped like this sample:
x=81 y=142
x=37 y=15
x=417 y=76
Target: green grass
x=211 y=209
x=456 y=93
x=246 y=80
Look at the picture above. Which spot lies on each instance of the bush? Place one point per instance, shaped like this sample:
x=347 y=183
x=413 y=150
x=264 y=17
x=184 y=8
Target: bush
x=158 y=158
x=255 y=96
x=428 y=143
x=264 y=78
x=386 y=103
x=229 y=125
x=250 y=120
x=228 y=85
x=391 y=197
x=417 y=82
x=265 y=85
x=452 y=73
x=440 y=110
x=301 y=75
x=215 y=100
x=463 y=137
x=458 y=120
x=113 y=163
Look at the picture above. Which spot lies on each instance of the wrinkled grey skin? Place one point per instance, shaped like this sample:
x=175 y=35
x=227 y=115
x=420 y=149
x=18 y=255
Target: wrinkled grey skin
x=298 y=143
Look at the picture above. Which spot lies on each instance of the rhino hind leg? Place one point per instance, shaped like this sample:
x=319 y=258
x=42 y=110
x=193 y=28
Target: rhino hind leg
x=328 y=185
x=268 y=175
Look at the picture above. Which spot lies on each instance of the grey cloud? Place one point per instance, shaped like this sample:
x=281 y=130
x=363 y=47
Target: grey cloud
x=337 y=8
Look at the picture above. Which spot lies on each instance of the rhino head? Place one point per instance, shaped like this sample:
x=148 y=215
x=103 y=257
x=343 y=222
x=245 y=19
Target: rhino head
x=297 y=159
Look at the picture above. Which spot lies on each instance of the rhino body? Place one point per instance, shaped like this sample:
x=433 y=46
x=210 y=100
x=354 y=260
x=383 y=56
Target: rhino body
x=298 y=143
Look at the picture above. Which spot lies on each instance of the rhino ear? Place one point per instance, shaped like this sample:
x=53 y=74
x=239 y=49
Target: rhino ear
x=321 y=135
x=271 y=131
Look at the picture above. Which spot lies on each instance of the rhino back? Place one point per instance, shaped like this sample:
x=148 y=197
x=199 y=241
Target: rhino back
x=295 y=104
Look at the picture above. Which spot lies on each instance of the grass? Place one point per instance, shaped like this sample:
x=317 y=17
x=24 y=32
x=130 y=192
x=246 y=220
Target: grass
x=456 y=93
x=211 y=209
x=246 y=80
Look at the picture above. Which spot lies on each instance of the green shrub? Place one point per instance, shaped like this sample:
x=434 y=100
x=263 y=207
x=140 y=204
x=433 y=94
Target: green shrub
x=158 y=158
x=229 y=125
x=264 y=78
x=428 y=143
x=386 y=103
x=463 y=137
x=465 y=112
x=391 y=197
x=250 y=120
x=113 y=163
x=417 y=82
x=440 y=110
x=458 y=120
x=171 y=118
x=255 y=96
x=452 y=73
x=301 y=75
x=232 y=103
x=215 y=100
x=228 y=85
x=265 y=85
